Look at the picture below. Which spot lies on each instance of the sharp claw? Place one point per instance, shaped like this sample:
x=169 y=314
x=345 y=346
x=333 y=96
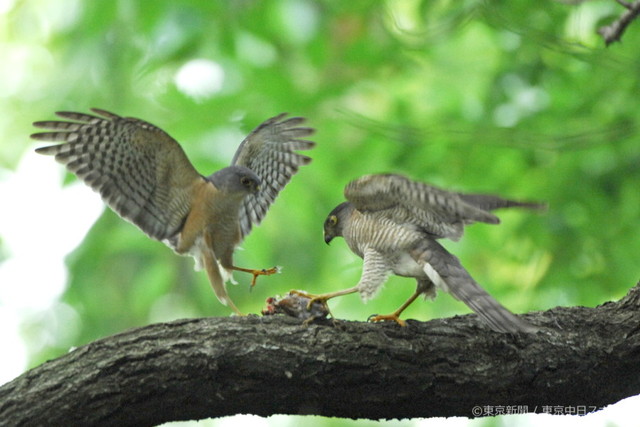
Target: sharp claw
x=262 y=272
x=318 y=299
x=256 y=273
x=386 y=317
x=312 y=298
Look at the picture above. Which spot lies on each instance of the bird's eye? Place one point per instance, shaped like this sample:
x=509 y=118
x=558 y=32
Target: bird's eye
x=245 y=181
x=333 y=220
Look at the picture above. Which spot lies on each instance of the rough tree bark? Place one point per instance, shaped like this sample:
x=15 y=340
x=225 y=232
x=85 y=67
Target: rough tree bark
x=212 y=367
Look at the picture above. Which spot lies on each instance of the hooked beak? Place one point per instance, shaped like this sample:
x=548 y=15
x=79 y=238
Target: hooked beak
x=327 y=238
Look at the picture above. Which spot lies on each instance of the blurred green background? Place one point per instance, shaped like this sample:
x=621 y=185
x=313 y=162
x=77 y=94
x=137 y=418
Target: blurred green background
x=516 y=98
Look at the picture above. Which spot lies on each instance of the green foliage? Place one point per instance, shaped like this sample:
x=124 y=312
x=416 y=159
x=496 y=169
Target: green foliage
x=517 y=98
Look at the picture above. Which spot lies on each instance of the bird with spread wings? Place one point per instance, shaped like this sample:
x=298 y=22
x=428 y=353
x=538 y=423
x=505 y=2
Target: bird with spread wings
x=144 y=175
x=393 y=223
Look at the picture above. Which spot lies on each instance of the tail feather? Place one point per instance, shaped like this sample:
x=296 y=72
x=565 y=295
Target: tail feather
x=446 y=272
x=212 y=267
x=492 y=312
x=489 y=202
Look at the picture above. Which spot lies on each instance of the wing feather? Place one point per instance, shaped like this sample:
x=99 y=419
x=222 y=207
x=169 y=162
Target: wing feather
x=139 y=170
x=270 y=152
x=438 y=212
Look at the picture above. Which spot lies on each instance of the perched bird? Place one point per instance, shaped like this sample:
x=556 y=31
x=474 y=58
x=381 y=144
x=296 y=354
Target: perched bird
x=145 y=177
x=393 y=223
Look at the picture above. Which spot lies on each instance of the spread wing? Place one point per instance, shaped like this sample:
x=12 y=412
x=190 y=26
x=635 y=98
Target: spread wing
x=140 y=171
x=437 y=212
x=270 y=152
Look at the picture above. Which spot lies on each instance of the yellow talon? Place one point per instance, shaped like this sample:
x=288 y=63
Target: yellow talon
x=386 y=318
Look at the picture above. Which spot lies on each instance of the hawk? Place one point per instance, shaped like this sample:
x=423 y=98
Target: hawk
x=144 y=175
x=394 y=224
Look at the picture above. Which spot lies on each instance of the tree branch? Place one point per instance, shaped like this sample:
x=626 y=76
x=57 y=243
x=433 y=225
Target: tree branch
x=613 y=32
x=212 y=367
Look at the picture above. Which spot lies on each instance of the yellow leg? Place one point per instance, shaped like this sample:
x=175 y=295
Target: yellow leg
x=323 y=298
x=395 y=316
x=256 y=273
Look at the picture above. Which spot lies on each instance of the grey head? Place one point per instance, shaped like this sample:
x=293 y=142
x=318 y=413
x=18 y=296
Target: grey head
x=236 y=180
x=334 y=224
